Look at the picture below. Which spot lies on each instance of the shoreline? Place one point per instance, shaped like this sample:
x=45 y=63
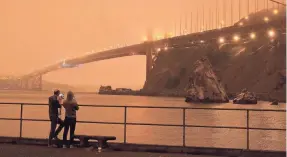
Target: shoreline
x=261 y=96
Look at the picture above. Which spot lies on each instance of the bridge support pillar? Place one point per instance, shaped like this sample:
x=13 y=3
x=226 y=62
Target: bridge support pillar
x=36 y=83
x=40 y=83
x=149 y=60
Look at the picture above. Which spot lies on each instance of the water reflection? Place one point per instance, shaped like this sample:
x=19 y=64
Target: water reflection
x=206 y=137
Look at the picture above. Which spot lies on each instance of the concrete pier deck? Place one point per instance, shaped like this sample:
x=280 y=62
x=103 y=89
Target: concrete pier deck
x=13 y=150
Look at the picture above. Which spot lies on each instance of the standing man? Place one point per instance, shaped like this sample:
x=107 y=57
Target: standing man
x=54 y=105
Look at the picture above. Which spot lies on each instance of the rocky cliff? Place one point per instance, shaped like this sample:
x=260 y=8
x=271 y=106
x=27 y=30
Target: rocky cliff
x=257 y=65
x=203 y=85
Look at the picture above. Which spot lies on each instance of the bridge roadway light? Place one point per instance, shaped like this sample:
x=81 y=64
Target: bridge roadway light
x=144 y=39
x=271 y=33
x=252 y=35
x=246 y=17
x=170 y=35
x=266 y=19
x=201 y=41
x=241 y=24
x=275 y=11
x=158 y=49
x=236 y=38
x=165 y=48
x=221 y=40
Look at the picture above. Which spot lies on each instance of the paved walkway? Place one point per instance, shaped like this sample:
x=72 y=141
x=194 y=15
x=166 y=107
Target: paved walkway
x=9 y=150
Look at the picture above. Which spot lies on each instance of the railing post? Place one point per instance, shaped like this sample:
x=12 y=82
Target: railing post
x=247 y=129
x=21 y=119
x=125 y=126
x=183 y=127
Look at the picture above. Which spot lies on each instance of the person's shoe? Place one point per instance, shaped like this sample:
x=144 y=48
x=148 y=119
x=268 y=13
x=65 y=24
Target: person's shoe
x=64 y=146
x=52 y=146
x=56 y=138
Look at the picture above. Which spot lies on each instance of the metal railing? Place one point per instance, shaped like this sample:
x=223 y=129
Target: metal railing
x=183 y=125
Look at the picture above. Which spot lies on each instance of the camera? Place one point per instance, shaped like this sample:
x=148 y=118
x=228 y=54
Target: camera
x=61 y=96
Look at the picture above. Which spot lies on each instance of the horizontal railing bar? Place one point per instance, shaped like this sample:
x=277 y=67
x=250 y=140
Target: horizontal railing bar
x=151 y=124
x=232 y=127
x=37 y=120
x=10 y=103
x=117 y=123
x=219 y=127
x=10 y=119
x=157 y=107
x=271 y=129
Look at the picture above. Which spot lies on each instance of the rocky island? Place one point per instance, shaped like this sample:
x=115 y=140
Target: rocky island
x=203 y=85
x=118 y=91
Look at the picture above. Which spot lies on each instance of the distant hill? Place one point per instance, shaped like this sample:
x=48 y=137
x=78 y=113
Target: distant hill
x=48 y=86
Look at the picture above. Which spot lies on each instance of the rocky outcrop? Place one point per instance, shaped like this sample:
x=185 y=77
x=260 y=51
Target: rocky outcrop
x=237 y=65
x=118 y=91
x=245 y=97
x=123 y=90
x=105 y=89
x=204 y=85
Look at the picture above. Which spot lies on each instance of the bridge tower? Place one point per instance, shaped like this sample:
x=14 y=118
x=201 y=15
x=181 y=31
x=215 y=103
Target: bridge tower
x=149 y=60
x=31 y=83
x=149 y=50
x=36 y=83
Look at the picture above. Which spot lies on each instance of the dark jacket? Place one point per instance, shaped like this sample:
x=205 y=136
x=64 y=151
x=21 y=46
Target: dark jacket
x=53 y=106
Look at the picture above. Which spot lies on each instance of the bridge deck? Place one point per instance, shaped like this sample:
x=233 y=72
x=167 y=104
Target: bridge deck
x=42 y=151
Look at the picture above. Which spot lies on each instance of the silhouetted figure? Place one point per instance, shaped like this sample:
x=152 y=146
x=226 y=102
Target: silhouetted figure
x=54 y=105
x=71 y=106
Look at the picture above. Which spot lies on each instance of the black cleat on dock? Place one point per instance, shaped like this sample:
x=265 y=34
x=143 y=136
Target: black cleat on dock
x=102 y=140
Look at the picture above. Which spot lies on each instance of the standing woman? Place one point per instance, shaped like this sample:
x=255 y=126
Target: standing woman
x=71 y=106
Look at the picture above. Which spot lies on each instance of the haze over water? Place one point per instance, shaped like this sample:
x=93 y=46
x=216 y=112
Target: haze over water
x=37 y=33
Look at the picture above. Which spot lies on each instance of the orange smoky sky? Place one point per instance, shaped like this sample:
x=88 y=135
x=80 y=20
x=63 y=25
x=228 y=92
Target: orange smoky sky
x=35 y=33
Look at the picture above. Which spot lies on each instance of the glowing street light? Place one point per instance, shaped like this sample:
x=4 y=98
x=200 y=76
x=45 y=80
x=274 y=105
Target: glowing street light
x=241 y=24
x=246 y=17
x=252 y=35
x=236 y=38
x=169 y=35
x=266 y=19
x=201 y=41
x=165 y=48
x=221 y=40
x=275 y=11
x=144 y=38
x=159 y=37
x=158 y=49
x=271 y=33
